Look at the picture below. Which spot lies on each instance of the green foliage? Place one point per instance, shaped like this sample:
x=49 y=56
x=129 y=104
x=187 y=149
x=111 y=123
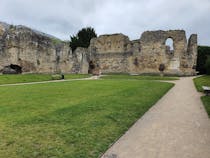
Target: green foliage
x=77 y=119
x=207 y=66
x=76 y=76
x=74 y=43
x=56 y=41
x=23 y=78
x=12 y=27
x=203 y=53
x=82 y=38
x=201 y=81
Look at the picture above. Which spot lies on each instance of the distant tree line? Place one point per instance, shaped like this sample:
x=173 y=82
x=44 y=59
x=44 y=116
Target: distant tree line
x=203 y=60
x=82 y=38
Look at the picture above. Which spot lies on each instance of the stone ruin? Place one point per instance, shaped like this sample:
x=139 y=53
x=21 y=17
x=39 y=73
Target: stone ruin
x=117 y=54
x=36 y=52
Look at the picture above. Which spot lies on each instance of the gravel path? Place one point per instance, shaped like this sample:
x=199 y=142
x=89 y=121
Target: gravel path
x=176 y=127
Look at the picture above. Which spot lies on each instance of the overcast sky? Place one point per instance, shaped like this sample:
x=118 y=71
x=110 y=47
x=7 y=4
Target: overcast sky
x=63 y=18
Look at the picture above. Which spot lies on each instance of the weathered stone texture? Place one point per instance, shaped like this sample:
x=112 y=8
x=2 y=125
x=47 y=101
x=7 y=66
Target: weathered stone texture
x=80 y=64
x=113 y=62
x=115 y=43
x=33 y=51
x=155 y=52
x=36 y=52
x=116 y=53
x=110 y=53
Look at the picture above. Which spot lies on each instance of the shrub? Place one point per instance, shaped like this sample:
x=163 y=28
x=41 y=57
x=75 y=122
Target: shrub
x=203 y=53
x=82 y=38
x=207 y=66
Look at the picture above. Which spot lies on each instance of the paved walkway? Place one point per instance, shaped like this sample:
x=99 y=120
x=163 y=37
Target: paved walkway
x=176 y=127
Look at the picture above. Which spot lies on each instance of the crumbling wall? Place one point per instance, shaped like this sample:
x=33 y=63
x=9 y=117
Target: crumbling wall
x=189 y=59
x=116 y=53
x=33 y=51
x=154 y=51
x=36 y=52
x=110 y=53
x=64 y=58
x=80 y=61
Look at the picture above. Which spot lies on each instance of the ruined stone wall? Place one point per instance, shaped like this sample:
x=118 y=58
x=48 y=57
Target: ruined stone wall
x=116 y=53
x=110 y=53
x=36 y=52
x=80 y=61
x=33 y=51
x=113 y=62
x=155 y=52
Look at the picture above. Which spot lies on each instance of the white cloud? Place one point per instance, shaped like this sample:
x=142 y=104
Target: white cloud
x=63 y=18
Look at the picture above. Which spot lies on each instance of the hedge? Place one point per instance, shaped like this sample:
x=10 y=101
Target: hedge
x=203 y=54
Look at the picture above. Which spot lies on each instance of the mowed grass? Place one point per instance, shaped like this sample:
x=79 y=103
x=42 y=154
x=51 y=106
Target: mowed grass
x=24 y=78
x=75 y=76
x=203 y=81
x=77 y=119
x=139 y=77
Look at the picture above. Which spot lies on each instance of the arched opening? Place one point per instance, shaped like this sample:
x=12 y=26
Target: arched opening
x=169 y=45
x=12 y=69
x=91 y=67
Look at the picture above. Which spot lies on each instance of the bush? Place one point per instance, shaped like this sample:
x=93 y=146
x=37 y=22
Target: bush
x=207 y=66
x=82 y=39
x=203 y=53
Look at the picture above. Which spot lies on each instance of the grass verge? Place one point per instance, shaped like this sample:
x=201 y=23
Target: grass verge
x=203 y=81
x=75 y=76
x=206 y=103
x=77 y=119
x=25 y=78
x=139 y=77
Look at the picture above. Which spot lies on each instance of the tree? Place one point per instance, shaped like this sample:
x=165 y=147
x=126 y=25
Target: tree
x=203 y=53
x=82 y=38
x=207 y=66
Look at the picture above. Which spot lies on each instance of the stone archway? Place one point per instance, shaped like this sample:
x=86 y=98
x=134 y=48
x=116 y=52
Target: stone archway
x=174 y=62
x=91 y=68
x=169 y=45
x=12 y=69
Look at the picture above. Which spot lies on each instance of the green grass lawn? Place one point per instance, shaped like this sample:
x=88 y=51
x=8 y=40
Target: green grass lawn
x=203 y=81
x=139 y=77
x=77 y=119
x=75 y=76
x=23 y=78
